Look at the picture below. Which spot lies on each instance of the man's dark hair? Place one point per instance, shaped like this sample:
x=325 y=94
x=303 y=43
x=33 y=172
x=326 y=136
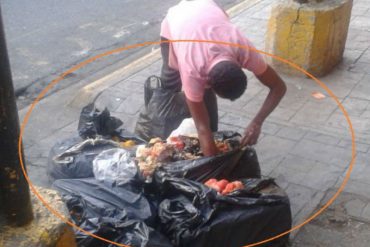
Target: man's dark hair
x=228 y=80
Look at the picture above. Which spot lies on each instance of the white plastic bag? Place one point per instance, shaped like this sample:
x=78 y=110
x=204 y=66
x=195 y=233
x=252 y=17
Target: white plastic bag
x=186 y=128
x=114 y=165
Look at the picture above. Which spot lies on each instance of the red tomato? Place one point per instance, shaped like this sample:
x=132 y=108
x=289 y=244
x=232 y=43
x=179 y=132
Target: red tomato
x=238 y=185
x=229 y=188
x=215 y=187
x=210 y=181
x=222 y=184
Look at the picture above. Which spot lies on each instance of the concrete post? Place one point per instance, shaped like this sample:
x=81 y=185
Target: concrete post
x=14 y=190
x=311 y=34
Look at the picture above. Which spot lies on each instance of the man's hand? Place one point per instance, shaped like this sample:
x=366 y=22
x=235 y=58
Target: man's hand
x=251 y=134
x=199 y=113
x=277 y=90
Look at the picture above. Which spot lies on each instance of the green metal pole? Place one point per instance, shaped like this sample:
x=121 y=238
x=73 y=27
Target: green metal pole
x=14 y=190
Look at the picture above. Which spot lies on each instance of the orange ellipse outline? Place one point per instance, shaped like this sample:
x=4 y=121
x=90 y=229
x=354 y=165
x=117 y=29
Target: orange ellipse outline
x=90 y=60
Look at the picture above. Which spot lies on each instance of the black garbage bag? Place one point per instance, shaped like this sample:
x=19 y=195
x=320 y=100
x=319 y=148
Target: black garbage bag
x=164 y=111
x=118 y=213
x=94 y=122
x=191 y=214
x=73 y=157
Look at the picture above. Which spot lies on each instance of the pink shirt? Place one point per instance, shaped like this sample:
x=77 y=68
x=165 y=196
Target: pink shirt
x=204 y=20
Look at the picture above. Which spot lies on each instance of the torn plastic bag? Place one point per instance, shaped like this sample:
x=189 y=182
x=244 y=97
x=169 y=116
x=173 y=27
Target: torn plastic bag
x=243 y=164
x=73 y=157
x=164 y=111
x=94 y=122
x=118 y=213
x=124 y=135
x=115 y=165
x=192 y=214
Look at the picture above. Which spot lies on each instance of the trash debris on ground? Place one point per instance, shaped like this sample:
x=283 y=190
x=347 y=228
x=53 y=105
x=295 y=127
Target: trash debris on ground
x=115 y=165
x=318 y=95
x=164 y=111
x=158 y=153
x=73 y=157
x=166 y=193
x=94 y=122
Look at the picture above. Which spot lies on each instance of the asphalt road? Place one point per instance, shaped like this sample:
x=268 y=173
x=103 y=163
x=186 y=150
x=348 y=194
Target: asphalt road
x=46 y=37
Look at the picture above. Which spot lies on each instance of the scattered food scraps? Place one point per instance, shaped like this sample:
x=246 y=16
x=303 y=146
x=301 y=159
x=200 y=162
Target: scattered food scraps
x=318 y=95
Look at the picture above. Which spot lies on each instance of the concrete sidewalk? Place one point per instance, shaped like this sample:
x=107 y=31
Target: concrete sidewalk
x=305 y=144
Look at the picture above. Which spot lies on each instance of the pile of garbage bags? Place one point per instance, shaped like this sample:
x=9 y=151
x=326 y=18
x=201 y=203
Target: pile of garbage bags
x=107 y=194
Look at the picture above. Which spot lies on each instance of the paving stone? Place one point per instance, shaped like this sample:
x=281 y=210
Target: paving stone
x=253 y=106
x=366 y=114
x=362 y=89
x=295 y=96
x=361 y=168
x=324 y=153
x=355 y=208
x=282 y=114
x=110 y=100
x=366 y=212
x=287 y=174
x=319 y=236
x=322 y=138
x=299 y=196
x=235 y=120
x=281 y=181
x=314 y=112
x=137 y=78
x=270 y=128
x=340 y=90
x=309 y=208
x=309 y=173
x=362 y=23
x=354 y=106
x=271 y=150
x=131 y=105
x=223 y=126
x=360 y=67
x=338 y=121
x=358 y=39
x=291 y=133
x=365 y=57
x=129 y=86
x=360 y=147
x=360 y=127
x=38 y=176
x=297 y=163
x=356 y=187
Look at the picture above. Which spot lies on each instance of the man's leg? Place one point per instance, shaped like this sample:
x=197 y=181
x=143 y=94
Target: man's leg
x=170 y=78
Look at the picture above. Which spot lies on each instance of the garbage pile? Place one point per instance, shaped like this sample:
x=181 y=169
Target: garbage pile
x=164 y=193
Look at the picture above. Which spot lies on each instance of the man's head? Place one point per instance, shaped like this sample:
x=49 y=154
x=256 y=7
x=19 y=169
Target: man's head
x=228 y=80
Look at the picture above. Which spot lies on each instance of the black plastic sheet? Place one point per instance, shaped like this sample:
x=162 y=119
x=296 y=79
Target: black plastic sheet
x=119 y=213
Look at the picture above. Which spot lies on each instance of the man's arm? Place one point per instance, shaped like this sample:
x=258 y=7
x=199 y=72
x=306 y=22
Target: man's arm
x=277 y=90
x=199 y=113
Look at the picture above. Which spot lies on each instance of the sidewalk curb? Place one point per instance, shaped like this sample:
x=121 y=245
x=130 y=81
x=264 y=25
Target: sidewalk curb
x=93 y=89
